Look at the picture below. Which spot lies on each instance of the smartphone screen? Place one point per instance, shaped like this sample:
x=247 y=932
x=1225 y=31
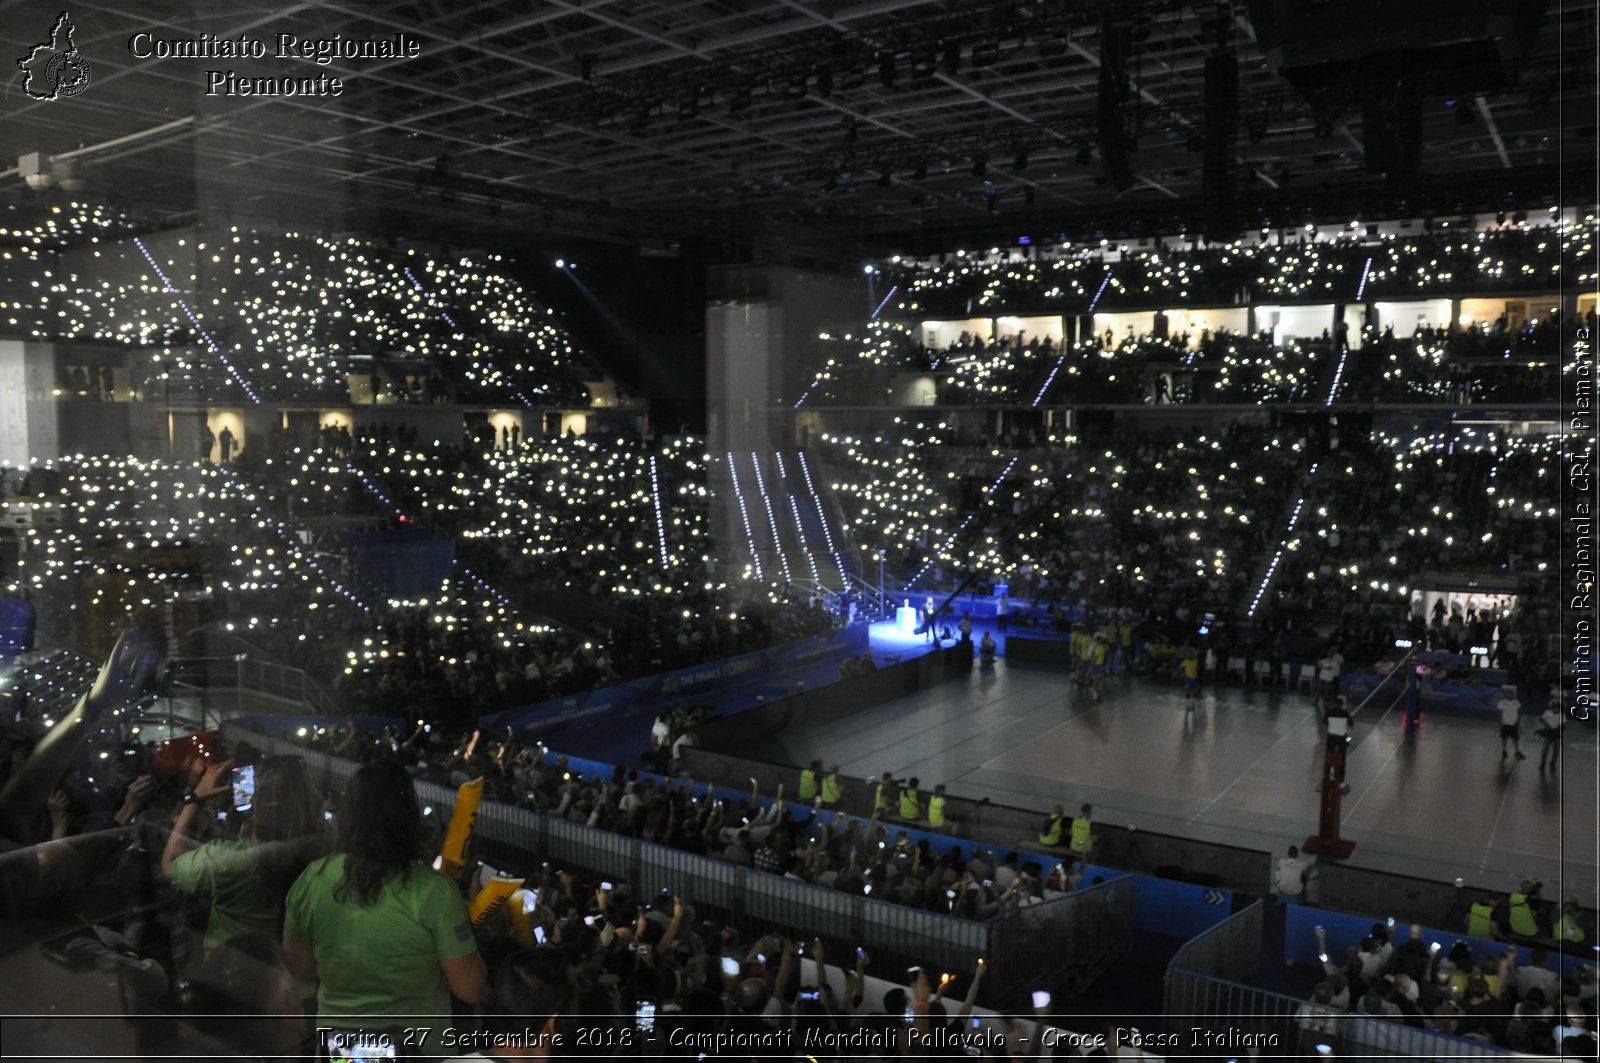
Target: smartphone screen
x=644 y=1016
x=244 y=787
x=730 y=966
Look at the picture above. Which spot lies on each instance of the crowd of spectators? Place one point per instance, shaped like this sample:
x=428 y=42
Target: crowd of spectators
x=408 y=326
x=1476 y=364
x=1294 y=266
x=1394 y=975
x=617 y=525
x=284 y=910
x=1171 y=528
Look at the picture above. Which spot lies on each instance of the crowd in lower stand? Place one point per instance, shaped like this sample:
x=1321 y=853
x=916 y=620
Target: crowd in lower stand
x=1393 y=974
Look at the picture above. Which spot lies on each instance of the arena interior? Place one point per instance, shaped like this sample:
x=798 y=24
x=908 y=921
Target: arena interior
x=798 y=529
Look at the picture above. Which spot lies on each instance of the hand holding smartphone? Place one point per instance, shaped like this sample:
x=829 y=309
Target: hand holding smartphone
x=244 y=787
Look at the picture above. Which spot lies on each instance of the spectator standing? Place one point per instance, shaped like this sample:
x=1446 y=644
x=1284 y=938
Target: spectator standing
x=1002 y=612
x=226 y=441
x=245 y=880
x=386 y=938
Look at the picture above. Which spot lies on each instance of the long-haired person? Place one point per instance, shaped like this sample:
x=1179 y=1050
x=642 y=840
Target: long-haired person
x=246 y=879
x=385 y=936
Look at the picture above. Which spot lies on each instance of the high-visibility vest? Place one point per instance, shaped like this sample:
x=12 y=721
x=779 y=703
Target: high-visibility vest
x=830 y=789
x=1051 y=835
x=879 y=802
x=1566 y=928
x=1522 y=919
x=910 y=804
x=1480 y=922
x=936 y=811
x=1080 y=834
x=808 y=785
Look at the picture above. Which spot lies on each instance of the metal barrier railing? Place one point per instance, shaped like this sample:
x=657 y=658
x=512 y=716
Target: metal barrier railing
x=1065 y=943
x=1050 y=944
x=1230 y=949
x=1202 y=1009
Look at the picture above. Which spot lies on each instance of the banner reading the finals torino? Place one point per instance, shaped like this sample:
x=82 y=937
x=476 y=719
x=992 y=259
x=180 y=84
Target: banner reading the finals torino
x=689 y=684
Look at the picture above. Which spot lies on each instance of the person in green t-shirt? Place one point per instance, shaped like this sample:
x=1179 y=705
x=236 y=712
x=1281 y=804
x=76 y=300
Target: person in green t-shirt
x=386 y=938
x=246 y=879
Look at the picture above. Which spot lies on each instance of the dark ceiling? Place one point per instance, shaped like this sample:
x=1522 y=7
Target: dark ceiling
x=530 y=121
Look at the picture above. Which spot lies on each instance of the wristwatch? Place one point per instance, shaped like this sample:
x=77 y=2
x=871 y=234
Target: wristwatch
x=191 y=798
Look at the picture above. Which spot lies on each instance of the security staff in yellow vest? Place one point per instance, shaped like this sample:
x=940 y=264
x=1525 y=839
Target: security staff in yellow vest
x=1051 y=834
x=831 y=790
x=1082 y=836
x=1480 y=917
x=883 y=794
x=910 y=800
x=809 y=780
x=936 y=808
x=1524 y=923
x=1565 y=927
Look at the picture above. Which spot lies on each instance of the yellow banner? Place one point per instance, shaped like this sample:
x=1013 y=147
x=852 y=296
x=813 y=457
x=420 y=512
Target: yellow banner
x=491 y=897
x=453 y=853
